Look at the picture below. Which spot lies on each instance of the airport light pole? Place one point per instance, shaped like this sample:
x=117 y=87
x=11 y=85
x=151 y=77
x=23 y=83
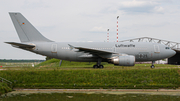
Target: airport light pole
x=107 y=35
x=117 y=28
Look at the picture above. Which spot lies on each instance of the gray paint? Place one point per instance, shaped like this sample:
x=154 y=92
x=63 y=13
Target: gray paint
x=86 y=51
x=26 y=31
x=142 y=51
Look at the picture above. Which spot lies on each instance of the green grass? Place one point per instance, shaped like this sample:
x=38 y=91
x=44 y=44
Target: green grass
x=4 y=88
x=54 y=63
x=48 y=74
x=18 y=64
x=95 y=78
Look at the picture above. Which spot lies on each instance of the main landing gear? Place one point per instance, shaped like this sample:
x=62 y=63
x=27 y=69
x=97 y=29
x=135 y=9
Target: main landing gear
x=152 y=66
x=98 y=64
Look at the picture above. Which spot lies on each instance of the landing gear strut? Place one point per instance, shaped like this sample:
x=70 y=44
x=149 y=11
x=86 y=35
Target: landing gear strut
x=152 y=66
x=98 y=65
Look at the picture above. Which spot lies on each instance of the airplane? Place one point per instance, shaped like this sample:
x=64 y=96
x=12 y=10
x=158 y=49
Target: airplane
x=117 y=53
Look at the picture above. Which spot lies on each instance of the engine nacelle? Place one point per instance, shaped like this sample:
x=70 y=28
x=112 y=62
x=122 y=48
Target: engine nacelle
x=128 y=60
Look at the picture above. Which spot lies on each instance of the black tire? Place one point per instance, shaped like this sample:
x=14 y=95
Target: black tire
x=152 y=66
x=95 y=66
x=101 y=66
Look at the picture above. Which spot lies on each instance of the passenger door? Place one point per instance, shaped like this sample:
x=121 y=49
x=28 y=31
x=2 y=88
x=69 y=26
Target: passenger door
x=114 y=49
x=54 y=50
x=156 y=49
x=156 y=52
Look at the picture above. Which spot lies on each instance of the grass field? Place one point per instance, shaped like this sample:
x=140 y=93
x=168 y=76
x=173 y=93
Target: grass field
x=18 y=64
x=4 y=88
x=81 y=75
x=157 y=78
x=55 y=63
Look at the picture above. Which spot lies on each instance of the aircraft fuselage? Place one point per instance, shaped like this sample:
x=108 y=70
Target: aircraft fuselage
x=141 y=50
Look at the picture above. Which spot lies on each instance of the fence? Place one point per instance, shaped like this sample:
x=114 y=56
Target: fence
x=9 y=83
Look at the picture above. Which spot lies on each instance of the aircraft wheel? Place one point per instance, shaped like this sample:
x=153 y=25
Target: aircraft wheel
x=152 y=66
x=95 y=66
x=101 y=66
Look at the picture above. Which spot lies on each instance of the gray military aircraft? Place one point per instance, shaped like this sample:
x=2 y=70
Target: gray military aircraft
x=118 y=53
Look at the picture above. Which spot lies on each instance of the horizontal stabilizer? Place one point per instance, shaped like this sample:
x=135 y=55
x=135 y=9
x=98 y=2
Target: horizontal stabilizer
x=20 y=45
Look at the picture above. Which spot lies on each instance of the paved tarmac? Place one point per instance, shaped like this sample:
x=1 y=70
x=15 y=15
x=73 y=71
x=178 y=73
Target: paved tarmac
x=175 y=92
x=120 y=90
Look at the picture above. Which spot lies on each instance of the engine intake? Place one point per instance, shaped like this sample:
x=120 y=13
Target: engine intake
x=128 y=60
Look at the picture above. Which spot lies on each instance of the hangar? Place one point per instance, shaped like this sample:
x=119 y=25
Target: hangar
x=173 y=45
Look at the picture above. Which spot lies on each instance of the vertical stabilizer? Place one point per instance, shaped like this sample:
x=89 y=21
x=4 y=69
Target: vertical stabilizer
x=26 y=31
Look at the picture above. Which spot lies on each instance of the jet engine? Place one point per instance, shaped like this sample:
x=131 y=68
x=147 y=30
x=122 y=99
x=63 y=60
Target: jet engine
x=127 y=60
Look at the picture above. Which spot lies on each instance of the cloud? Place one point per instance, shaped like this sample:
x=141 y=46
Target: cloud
x=159 y=9
x=135 y=3
x=139 y=6
x=98 y=29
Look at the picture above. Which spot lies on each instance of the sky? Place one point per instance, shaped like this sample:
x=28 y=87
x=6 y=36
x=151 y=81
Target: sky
x=88 y=21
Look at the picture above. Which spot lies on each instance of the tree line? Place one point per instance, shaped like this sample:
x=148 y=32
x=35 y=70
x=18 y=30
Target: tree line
x=13 y=60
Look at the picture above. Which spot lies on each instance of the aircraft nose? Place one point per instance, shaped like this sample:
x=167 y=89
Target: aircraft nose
x=173 y=52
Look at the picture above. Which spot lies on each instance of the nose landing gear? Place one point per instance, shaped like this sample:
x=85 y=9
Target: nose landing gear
x=152 y=66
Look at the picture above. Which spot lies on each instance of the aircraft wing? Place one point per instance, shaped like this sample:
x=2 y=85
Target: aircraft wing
x=101 y=53
x=20 y=45
x=94 y=51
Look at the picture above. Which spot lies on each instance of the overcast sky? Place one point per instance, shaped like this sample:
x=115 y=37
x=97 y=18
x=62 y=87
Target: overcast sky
x=88 y=20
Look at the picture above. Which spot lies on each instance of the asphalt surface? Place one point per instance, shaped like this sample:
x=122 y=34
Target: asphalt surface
x=94 y=90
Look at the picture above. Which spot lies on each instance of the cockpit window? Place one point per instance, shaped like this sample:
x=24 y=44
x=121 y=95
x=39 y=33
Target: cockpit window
x=167 y=48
